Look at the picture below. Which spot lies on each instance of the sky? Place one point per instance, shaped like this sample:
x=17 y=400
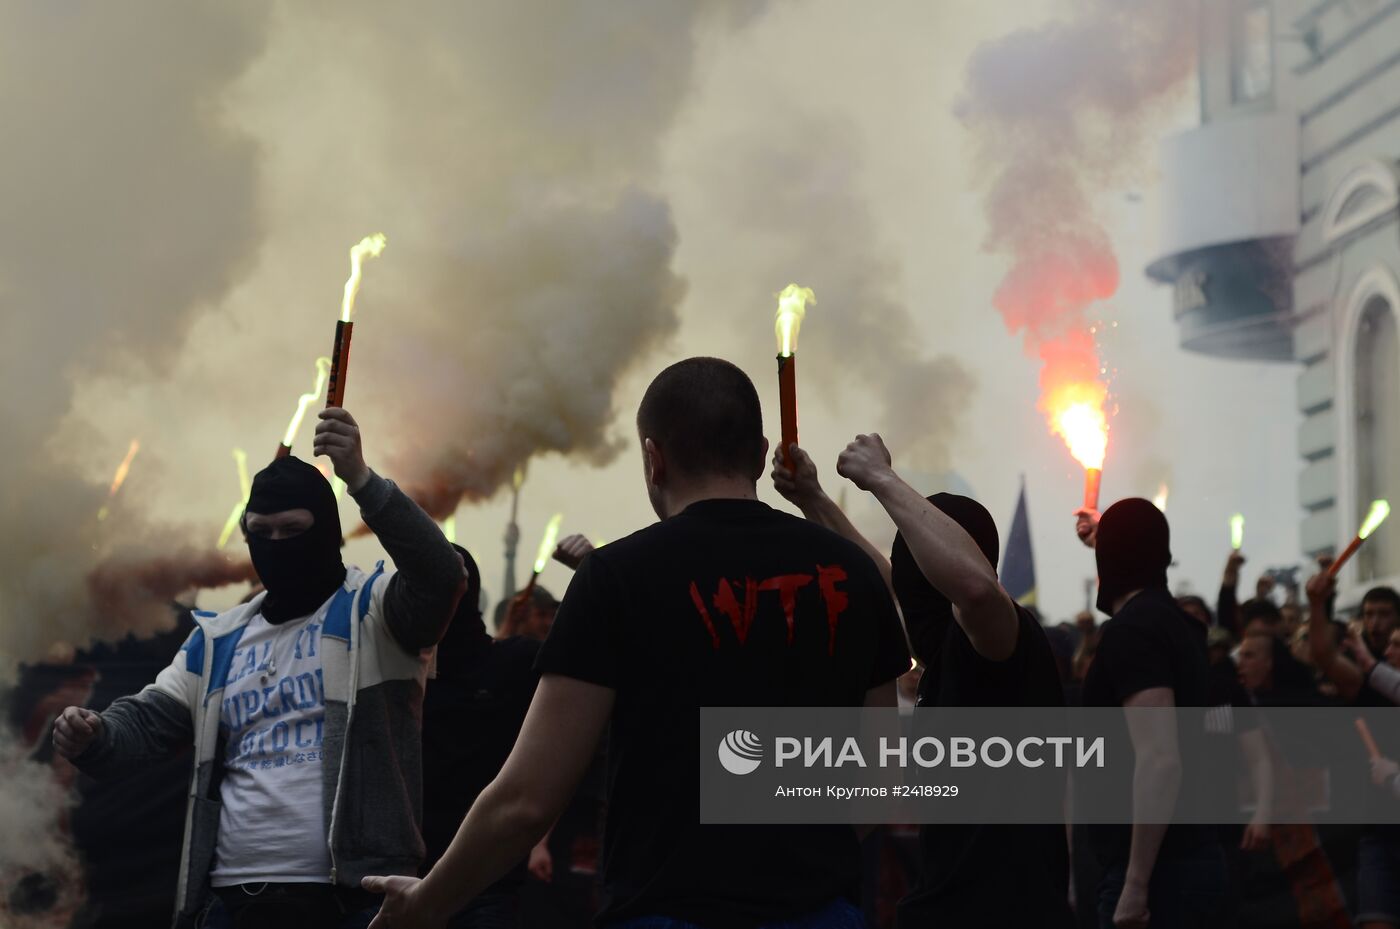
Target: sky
x=568 y=210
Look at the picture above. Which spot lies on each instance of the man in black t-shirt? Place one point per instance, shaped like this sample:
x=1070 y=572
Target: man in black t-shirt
x=1151 y=655
x=724 y=602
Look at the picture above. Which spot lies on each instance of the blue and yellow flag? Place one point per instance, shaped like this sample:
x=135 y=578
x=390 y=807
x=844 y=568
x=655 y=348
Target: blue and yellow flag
x=1018 y=561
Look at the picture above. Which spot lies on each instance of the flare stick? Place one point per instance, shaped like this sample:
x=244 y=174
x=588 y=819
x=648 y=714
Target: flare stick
x=1364 y=731
x=1380 y=509
x=787 y=403
x=1092 y=477
x=340 y=363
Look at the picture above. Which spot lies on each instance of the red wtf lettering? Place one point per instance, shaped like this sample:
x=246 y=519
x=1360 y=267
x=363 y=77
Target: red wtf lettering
x=741 y=613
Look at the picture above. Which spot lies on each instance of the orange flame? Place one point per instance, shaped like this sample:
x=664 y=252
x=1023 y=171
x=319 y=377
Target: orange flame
x=119 y=478
x=1073 y=397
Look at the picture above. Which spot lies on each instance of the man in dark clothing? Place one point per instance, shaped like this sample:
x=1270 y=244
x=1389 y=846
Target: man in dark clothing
x=1151 y=655
x=965 y=867
x=979 y=648
x=724 y=602
x=472 y=712
x=303 y=705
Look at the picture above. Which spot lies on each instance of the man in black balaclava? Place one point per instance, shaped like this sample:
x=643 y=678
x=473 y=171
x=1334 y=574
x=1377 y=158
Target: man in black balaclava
x=1151 y=654
x=979 y=648
x=302 y=704
x=292 y=526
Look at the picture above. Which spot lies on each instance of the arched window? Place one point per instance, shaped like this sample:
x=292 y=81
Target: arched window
x=1377 y=412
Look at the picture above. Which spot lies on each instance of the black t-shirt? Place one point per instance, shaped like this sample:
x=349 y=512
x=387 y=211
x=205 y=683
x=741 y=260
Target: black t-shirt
x=1151 y=643
x=730 y=603
x=470 y=723
x=976 y=873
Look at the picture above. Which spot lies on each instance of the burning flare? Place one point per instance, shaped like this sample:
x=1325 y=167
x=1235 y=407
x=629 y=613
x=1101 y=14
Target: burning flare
x=548 y=543
x=372 y=246
x=119 y=478
x=1237 y=531
x=245 y=487
x=323 y=369
x=1380 y=509
x=792 y=307
x=1077 y=416
x=1160 y=501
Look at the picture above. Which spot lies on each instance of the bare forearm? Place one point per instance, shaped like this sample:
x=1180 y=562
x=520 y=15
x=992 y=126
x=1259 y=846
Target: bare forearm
x=947 y=555
x=1156 y=781
x=497 y=833
x=1261 y=770
x=954 y=564
x=823 y=511
x=1326 y=657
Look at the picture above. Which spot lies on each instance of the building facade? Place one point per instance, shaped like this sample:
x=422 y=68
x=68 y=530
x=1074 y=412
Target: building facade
x=1281 y=239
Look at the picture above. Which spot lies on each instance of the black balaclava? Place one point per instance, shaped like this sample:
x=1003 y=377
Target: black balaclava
x=1133 y=550
x=927 y=613
x=302 y=572
x=465 y=640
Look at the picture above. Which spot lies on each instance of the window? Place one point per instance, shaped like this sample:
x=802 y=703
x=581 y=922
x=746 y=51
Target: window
x=1251 y=51
x=1377 y=435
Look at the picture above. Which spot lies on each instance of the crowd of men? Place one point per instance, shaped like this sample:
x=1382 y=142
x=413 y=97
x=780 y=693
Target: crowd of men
x=365 y=753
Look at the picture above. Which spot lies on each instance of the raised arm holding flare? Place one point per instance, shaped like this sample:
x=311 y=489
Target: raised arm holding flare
x=1327 y=658
x=802 y=487
x=302 y=705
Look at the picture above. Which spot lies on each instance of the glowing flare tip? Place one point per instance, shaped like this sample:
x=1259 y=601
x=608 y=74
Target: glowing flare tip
x=1160 y=501
x=792 y=307
x=547 y=544
x=1084 y=428
x=245 y=483
x=119 y=478
x=323 y=368
x=371 y=246
x=1380 y=509
x=1237 y=531
x=245 y=488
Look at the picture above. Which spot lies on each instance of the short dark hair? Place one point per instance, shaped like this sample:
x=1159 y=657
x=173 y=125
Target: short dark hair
x=1189 y=600
x=1383 y=595
x=1262 y=609
x=705 y=415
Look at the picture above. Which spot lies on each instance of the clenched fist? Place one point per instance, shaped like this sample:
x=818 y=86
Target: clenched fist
x=571 y=550
x=75 y=729
x=865 y=462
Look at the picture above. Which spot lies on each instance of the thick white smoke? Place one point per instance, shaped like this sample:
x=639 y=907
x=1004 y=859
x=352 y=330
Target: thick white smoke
x=129 y=207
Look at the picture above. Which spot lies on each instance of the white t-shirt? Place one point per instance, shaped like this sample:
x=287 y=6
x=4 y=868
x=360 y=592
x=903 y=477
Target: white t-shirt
x=273 y=825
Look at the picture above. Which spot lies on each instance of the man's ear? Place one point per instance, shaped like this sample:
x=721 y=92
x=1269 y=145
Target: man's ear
x=655 y=462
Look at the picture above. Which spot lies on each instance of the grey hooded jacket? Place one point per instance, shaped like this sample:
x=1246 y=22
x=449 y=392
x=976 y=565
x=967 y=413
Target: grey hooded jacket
x=386 y=625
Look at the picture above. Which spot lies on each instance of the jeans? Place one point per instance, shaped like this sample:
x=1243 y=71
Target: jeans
x=1378 y=879
x=284 y=907
x=491 y=910
x=1185 y=891
x=840 y=914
